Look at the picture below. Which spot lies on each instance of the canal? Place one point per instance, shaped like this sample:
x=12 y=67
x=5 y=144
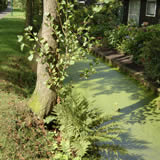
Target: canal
x=110 y=90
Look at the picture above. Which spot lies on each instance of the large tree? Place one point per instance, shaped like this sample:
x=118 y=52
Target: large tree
x=43 y=98
x=59 y=45
x=29 y=12
x=33 y=13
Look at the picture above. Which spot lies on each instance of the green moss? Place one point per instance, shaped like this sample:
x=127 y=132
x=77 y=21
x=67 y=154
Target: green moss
x=34 y=104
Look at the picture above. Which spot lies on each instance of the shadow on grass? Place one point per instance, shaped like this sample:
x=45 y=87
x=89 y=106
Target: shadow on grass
x=16 y=76
x=9 y=29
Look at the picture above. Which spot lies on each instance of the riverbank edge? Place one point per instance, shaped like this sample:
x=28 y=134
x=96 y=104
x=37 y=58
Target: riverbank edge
x=125 y=64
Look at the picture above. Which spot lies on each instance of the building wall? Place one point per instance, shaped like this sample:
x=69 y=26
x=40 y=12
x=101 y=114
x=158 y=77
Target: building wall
x=151 y=20
x=125 y=11
x=143 y=17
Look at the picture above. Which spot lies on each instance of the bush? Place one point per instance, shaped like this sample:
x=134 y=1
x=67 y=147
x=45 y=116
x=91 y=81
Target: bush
x=150 y=58
x=141 y=43
x=105 y=19
x=136 y=40
x=117 y=35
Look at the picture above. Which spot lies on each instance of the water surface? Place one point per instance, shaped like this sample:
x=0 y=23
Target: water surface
x=110 y=90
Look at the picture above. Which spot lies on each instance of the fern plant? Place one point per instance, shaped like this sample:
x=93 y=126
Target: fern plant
x=82 y=127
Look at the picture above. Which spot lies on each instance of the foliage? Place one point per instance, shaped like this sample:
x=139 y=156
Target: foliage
x=141 y=43
x=19 y=4
x=105 y=16
x=73 y=43
x=37 y=14
x=117 y=35
x=82 y=127
x=150 y=58
x=3 y=4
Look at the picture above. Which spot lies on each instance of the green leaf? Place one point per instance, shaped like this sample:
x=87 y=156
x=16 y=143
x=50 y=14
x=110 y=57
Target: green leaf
x=20 y=38
x=49 y=119
x=30 y=58
x=22 y=46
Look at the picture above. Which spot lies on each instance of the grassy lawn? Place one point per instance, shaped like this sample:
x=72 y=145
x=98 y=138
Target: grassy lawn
x=17 y=82
x=14 y=68
x=10 y=27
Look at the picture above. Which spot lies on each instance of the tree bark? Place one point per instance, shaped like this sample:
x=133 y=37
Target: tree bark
x=29 y=13
x=43 y=99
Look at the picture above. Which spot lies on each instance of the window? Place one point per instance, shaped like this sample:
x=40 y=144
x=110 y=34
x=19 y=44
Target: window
x=134 y=11
x=151 y=8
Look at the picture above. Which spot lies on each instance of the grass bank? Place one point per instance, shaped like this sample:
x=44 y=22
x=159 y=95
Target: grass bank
x=10 y=27
x=21 y=134
x=15 y=75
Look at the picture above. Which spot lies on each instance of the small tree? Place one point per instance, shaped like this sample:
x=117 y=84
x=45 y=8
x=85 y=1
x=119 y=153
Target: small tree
x=43 y=98
x=59 y=44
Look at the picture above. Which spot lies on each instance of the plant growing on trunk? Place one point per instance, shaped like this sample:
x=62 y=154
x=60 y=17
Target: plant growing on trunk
x=57 y=46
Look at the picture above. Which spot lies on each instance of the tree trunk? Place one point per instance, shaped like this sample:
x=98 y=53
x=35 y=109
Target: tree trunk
x=43 y=99
x=29 y=13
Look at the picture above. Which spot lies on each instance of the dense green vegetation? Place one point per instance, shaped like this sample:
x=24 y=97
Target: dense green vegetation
x=142 y=43
x=3 y=4
x=105 y=17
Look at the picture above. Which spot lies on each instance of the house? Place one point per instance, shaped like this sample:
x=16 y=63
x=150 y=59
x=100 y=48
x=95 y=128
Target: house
x=141 y=11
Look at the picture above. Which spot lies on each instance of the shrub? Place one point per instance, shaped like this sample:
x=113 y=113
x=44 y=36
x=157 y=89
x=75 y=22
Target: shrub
x=117 y=35
x=105 y=19
x=134 y=41
x=142 y=44
x=150 y=58
x=130 y=40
